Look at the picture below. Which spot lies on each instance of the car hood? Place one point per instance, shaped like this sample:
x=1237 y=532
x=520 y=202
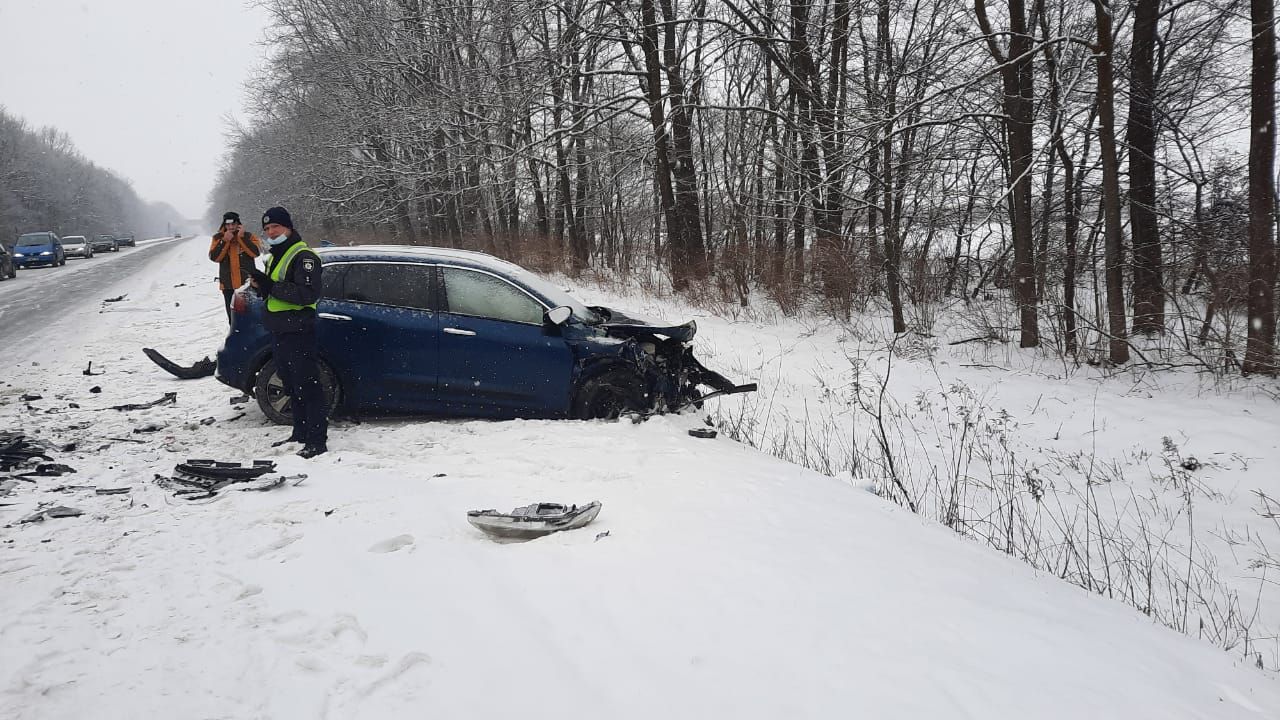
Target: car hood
x=620 y=324
x=33 y=249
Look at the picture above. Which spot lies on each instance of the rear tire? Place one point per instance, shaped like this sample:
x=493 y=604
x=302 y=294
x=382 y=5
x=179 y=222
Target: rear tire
x=269 y=391
x=609 y=395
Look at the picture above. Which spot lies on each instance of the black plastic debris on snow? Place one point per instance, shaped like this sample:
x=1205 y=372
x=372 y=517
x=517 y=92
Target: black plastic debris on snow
x=89 y=370
x=95 y=389
x=149 y=428
x=239 y=399
x=30 y=397
x=48 y=470
x=214 y=470
x=16 y=450
x=202 y=479
x=57 y=511
x=705 y=433
x=201 y=368
x=169 y=398
x=118 y=298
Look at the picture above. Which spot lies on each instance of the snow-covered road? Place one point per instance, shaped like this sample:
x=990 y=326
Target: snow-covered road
x=717 y=582
x=41 y=297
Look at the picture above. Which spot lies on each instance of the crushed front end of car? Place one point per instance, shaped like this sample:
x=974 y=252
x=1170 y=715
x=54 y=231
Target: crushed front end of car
x=662 y=358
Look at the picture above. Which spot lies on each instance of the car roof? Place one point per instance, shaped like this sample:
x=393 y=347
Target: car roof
x=419 y=253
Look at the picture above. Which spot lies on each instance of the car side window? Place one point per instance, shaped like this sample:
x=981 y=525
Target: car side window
x=482 y=295
x=399 y=285
x=331 y=281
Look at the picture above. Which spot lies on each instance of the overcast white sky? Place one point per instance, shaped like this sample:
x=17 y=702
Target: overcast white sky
x=141 y=86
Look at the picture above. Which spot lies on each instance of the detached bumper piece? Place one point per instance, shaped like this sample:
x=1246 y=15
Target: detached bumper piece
x=533 y=521
x=204 y=479
x=202 y=368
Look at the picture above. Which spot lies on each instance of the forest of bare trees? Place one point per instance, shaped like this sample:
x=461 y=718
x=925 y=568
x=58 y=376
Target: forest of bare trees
x=46 y=184
x=1102 y=170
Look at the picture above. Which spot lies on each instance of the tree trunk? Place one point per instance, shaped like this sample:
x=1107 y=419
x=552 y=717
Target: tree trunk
x=1260 y=350
x=1118 y=345
x=1148 y=281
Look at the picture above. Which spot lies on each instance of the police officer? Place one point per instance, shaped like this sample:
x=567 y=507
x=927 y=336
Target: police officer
x=291 y=287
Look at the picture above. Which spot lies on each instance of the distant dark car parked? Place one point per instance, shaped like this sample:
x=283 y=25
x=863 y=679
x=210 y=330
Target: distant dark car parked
x=77 y=246
x=126 y=239
x=8 y=270
x=411 y=330
x=40 y=248
x=106 y=243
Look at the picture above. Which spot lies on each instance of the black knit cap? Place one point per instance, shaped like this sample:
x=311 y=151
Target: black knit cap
x=277 y=215
x=230 y=216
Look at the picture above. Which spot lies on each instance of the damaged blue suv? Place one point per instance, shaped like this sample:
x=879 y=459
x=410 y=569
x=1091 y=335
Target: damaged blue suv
x=432 y=331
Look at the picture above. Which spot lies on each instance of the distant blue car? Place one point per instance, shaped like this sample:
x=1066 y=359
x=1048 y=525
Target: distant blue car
x=431 y=331
x=39 y=248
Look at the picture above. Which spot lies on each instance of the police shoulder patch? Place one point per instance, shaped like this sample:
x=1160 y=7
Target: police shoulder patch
x=308 y=265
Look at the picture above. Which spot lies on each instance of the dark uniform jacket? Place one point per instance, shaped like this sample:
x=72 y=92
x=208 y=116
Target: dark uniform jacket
x=299 y=285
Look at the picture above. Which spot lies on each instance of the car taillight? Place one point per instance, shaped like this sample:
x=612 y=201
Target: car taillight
x=239 y=303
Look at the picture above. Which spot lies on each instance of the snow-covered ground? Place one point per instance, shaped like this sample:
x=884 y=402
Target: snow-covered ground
x=1143 y=486
x=729 y=583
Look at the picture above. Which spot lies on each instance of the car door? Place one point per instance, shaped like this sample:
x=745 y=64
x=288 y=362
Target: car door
x=377 y=329
x=496 y=356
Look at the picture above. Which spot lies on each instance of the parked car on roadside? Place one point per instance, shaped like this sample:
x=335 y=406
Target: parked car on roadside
x=39 y=248
x=127 y=239
x=8 y=269
x=412 y=330
x=77 y=246
x=105 y=243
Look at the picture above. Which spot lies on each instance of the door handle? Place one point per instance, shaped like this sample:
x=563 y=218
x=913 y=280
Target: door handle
x=331 y=316
x=460 y=331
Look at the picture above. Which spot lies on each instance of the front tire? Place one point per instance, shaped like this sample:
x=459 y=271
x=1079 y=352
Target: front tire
x=274 y=403
x=609 y=395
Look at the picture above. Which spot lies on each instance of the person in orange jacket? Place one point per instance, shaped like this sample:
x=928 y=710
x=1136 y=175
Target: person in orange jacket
x=234 y=250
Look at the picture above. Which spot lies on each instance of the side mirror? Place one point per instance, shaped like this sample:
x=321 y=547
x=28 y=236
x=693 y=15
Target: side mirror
x=559 y=315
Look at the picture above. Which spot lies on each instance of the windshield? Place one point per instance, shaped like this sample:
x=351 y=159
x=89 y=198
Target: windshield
x=73 y=239
x=104 y=237
x=33 y=241
x=558 y=296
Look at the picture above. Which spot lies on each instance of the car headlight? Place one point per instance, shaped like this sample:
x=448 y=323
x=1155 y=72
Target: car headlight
x=19 y=255
x=46 y=252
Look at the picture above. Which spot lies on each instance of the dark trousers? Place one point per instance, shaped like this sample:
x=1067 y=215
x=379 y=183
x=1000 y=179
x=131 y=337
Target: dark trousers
x=295 y=355
x=226 y=300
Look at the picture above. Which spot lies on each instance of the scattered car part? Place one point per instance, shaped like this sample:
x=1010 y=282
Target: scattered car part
x=214 y=470
x=201 y=368
x=49 y=470
x=112 y=491
x=149 y=428
x=705 y=433
x=89 y=370
x=116 y=299
x=533 y=521
x=30 y=397
x=16 y=450
x=189 y=487
x=240 y=399
x=95 y=389
x=57 y=511
x=169 y=398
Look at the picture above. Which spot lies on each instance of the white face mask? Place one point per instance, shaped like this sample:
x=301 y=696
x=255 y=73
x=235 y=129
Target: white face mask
x=273 y=241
